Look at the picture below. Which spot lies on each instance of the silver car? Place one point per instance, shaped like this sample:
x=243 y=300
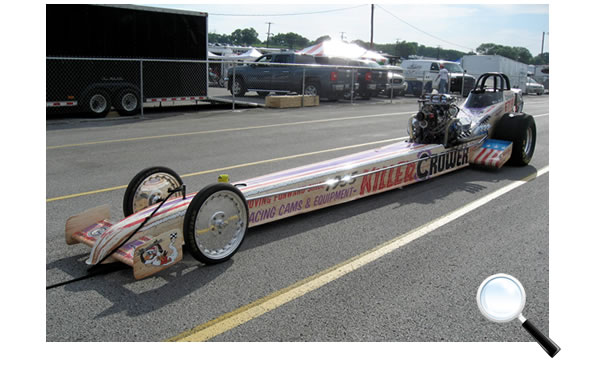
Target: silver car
x=533 y=87
x=396 y=84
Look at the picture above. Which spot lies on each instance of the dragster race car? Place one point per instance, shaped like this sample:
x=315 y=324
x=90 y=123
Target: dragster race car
x=161 y=220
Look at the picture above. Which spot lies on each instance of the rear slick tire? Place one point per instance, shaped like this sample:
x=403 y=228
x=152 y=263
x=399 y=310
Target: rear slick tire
x=520 y=129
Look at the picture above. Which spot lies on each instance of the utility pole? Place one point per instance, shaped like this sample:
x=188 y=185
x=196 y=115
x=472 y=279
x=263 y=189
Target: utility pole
x=269 y=32
x=372 y=12
x=543 y=34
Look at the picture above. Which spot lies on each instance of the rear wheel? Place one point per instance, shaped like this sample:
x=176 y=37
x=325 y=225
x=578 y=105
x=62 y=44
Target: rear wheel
x=215 y=223
x=312 y=89
x=520 y=129
x=127 y=102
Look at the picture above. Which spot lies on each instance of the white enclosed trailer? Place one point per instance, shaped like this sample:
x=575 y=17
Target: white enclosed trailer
x=480 y=64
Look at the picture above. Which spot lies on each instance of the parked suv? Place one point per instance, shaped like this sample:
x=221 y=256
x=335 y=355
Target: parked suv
x=270 y=74
x=419 y=71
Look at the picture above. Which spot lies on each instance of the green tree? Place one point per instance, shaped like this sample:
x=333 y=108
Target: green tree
x=362 y=44
x=405 y=49
x=290 y=40
x=320 y=39
x=542 y=59
x=248 y=36
x=519 y=54
x=219 y=38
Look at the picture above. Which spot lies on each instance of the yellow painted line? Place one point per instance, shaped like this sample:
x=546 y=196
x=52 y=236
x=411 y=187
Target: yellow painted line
x=225 y=130
x=91 y=192
x=263 y=305
x=63 y=197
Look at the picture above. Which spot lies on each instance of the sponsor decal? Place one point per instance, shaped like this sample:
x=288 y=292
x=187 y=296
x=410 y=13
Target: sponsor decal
x=439 y=163
x=392 y=177
x=156 y=255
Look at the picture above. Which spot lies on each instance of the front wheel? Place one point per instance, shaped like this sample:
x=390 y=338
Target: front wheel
x=215 y=223
x=148 y=187
x=520 y=129
x=238 y=88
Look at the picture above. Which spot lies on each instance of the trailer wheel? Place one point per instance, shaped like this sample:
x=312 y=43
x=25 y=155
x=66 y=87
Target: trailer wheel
x=215 y=223
x=520 y=129
x=97 y=103
x=148 y=187
x=127 y=102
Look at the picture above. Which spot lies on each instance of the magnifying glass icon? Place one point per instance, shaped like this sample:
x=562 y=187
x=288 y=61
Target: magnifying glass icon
x=501 y=298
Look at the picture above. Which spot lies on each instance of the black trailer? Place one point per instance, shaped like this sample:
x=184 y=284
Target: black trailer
x=100 y=57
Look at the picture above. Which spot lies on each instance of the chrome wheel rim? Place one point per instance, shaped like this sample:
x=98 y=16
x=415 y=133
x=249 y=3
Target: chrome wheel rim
x=129 y=102
x=220 y=224
x=98 y=103
x=528 y=142
x=237 y=87
x=310 y=90
x=154 y=189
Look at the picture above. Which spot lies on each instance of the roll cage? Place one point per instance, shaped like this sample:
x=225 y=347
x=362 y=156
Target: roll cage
x=483 y=95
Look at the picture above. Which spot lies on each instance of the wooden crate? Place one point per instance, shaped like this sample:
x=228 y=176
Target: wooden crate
x=291 y=101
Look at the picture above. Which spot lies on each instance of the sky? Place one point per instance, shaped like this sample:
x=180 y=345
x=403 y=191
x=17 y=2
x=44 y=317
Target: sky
x=461 y=27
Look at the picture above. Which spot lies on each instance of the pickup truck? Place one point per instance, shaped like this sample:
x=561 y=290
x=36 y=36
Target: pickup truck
x=269 y=73
x=372 y=79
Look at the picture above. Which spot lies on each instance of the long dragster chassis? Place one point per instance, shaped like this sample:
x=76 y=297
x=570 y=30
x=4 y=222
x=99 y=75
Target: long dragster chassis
x=161 y=220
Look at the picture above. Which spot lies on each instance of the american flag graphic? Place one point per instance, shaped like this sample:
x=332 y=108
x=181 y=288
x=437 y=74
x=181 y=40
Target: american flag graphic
x=493 y=153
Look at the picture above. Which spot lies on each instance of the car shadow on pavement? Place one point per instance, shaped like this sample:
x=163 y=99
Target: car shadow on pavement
x=119 y=287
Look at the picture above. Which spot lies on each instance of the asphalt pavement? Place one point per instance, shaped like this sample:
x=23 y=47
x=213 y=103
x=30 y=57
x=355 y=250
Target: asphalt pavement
x=422 y=291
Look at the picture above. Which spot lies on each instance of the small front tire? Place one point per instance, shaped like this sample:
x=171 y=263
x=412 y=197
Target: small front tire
x=215 y=223
x=148 y=187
